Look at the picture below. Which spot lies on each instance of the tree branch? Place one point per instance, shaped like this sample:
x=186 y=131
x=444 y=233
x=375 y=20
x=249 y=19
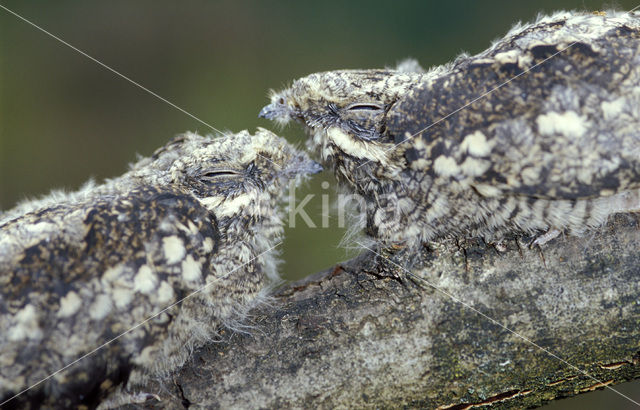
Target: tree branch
x=348 y=337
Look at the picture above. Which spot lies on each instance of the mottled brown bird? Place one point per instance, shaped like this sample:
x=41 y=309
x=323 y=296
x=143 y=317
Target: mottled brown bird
x=195 y=220
x=539 y=133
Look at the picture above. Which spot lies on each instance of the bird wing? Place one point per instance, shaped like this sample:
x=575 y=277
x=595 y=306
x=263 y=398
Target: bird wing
x=543 y=121
x=63 y=298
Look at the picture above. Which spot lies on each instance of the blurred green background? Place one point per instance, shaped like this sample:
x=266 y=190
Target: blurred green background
x=63 y=118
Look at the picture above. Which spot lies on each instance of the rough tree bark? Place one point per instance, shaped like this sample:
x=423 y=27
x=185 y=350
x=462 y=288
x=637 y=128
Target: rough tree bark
x=351 y=337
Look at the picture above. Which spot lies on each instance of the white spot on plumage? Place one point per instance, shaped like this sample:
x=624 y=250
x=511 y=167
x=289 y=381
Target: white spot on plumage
x=69 y=304
x=612 y=109
x=26 y=325
x=487 y=190
x=476 y=144
x=191 y=269
x=173 y=248
x=112 y=273
x=100 y=307
x=530 y=175
x=165 y=292
x=445 y=166
x=568 y=123
x=39 y=228
x=207 y=245
x=474 y=166
x=507 y=57
x=122 y=297
x=144 y=281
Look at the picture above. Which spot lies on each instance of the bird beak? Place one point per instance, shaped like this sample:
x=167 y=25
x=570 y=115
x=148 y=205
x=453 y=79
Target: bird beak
x=270 y=111
x=279 y=112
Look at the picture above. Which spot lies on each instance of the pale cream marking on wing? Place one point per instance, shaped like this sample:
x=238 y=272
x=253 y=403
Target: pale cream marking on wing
x=173 y=248
x=112 y=273
x=207 y=245
x=585 y=176
x=193 y=228
x=474 y=167
x=445 y=166
x=568 y=123
x=530 y=175
x=69 y=304
x=487 y=190
x=612 y=109
x=191 y=269
x=165 y=292
x=100 y=307
x=183 y=228
x=525 y=60
x=39 y=228
x=122 y=297
x=26 y=325
x=144 y=281
x=507 y=57
x=420 y=164
x=476 y=144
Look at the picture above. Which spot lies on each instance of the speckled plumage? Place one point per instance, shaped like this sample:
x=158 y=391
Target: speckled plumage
x=78 y=269
x=445 y=153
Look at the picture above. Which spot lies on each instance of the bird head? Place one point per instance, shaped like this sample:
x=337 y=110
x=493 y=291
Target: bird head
x=345 y=113
x=240 y=178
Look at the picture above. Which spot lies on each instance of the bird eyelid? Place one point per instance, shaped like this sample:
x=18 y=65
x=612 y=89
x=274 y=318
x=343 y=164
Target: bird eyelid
x=216 y=173
x=365 y=106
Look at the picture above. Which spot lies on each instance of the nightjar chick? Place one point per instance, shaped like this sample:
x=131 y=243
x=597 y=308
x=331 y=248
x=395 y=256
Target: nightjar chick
x=195 y=221
x=539 y=133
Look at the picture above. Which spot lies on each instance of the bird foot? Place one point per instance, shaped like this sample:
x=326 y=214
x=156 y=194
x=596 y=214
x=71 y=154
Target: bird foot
x=545 y=238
